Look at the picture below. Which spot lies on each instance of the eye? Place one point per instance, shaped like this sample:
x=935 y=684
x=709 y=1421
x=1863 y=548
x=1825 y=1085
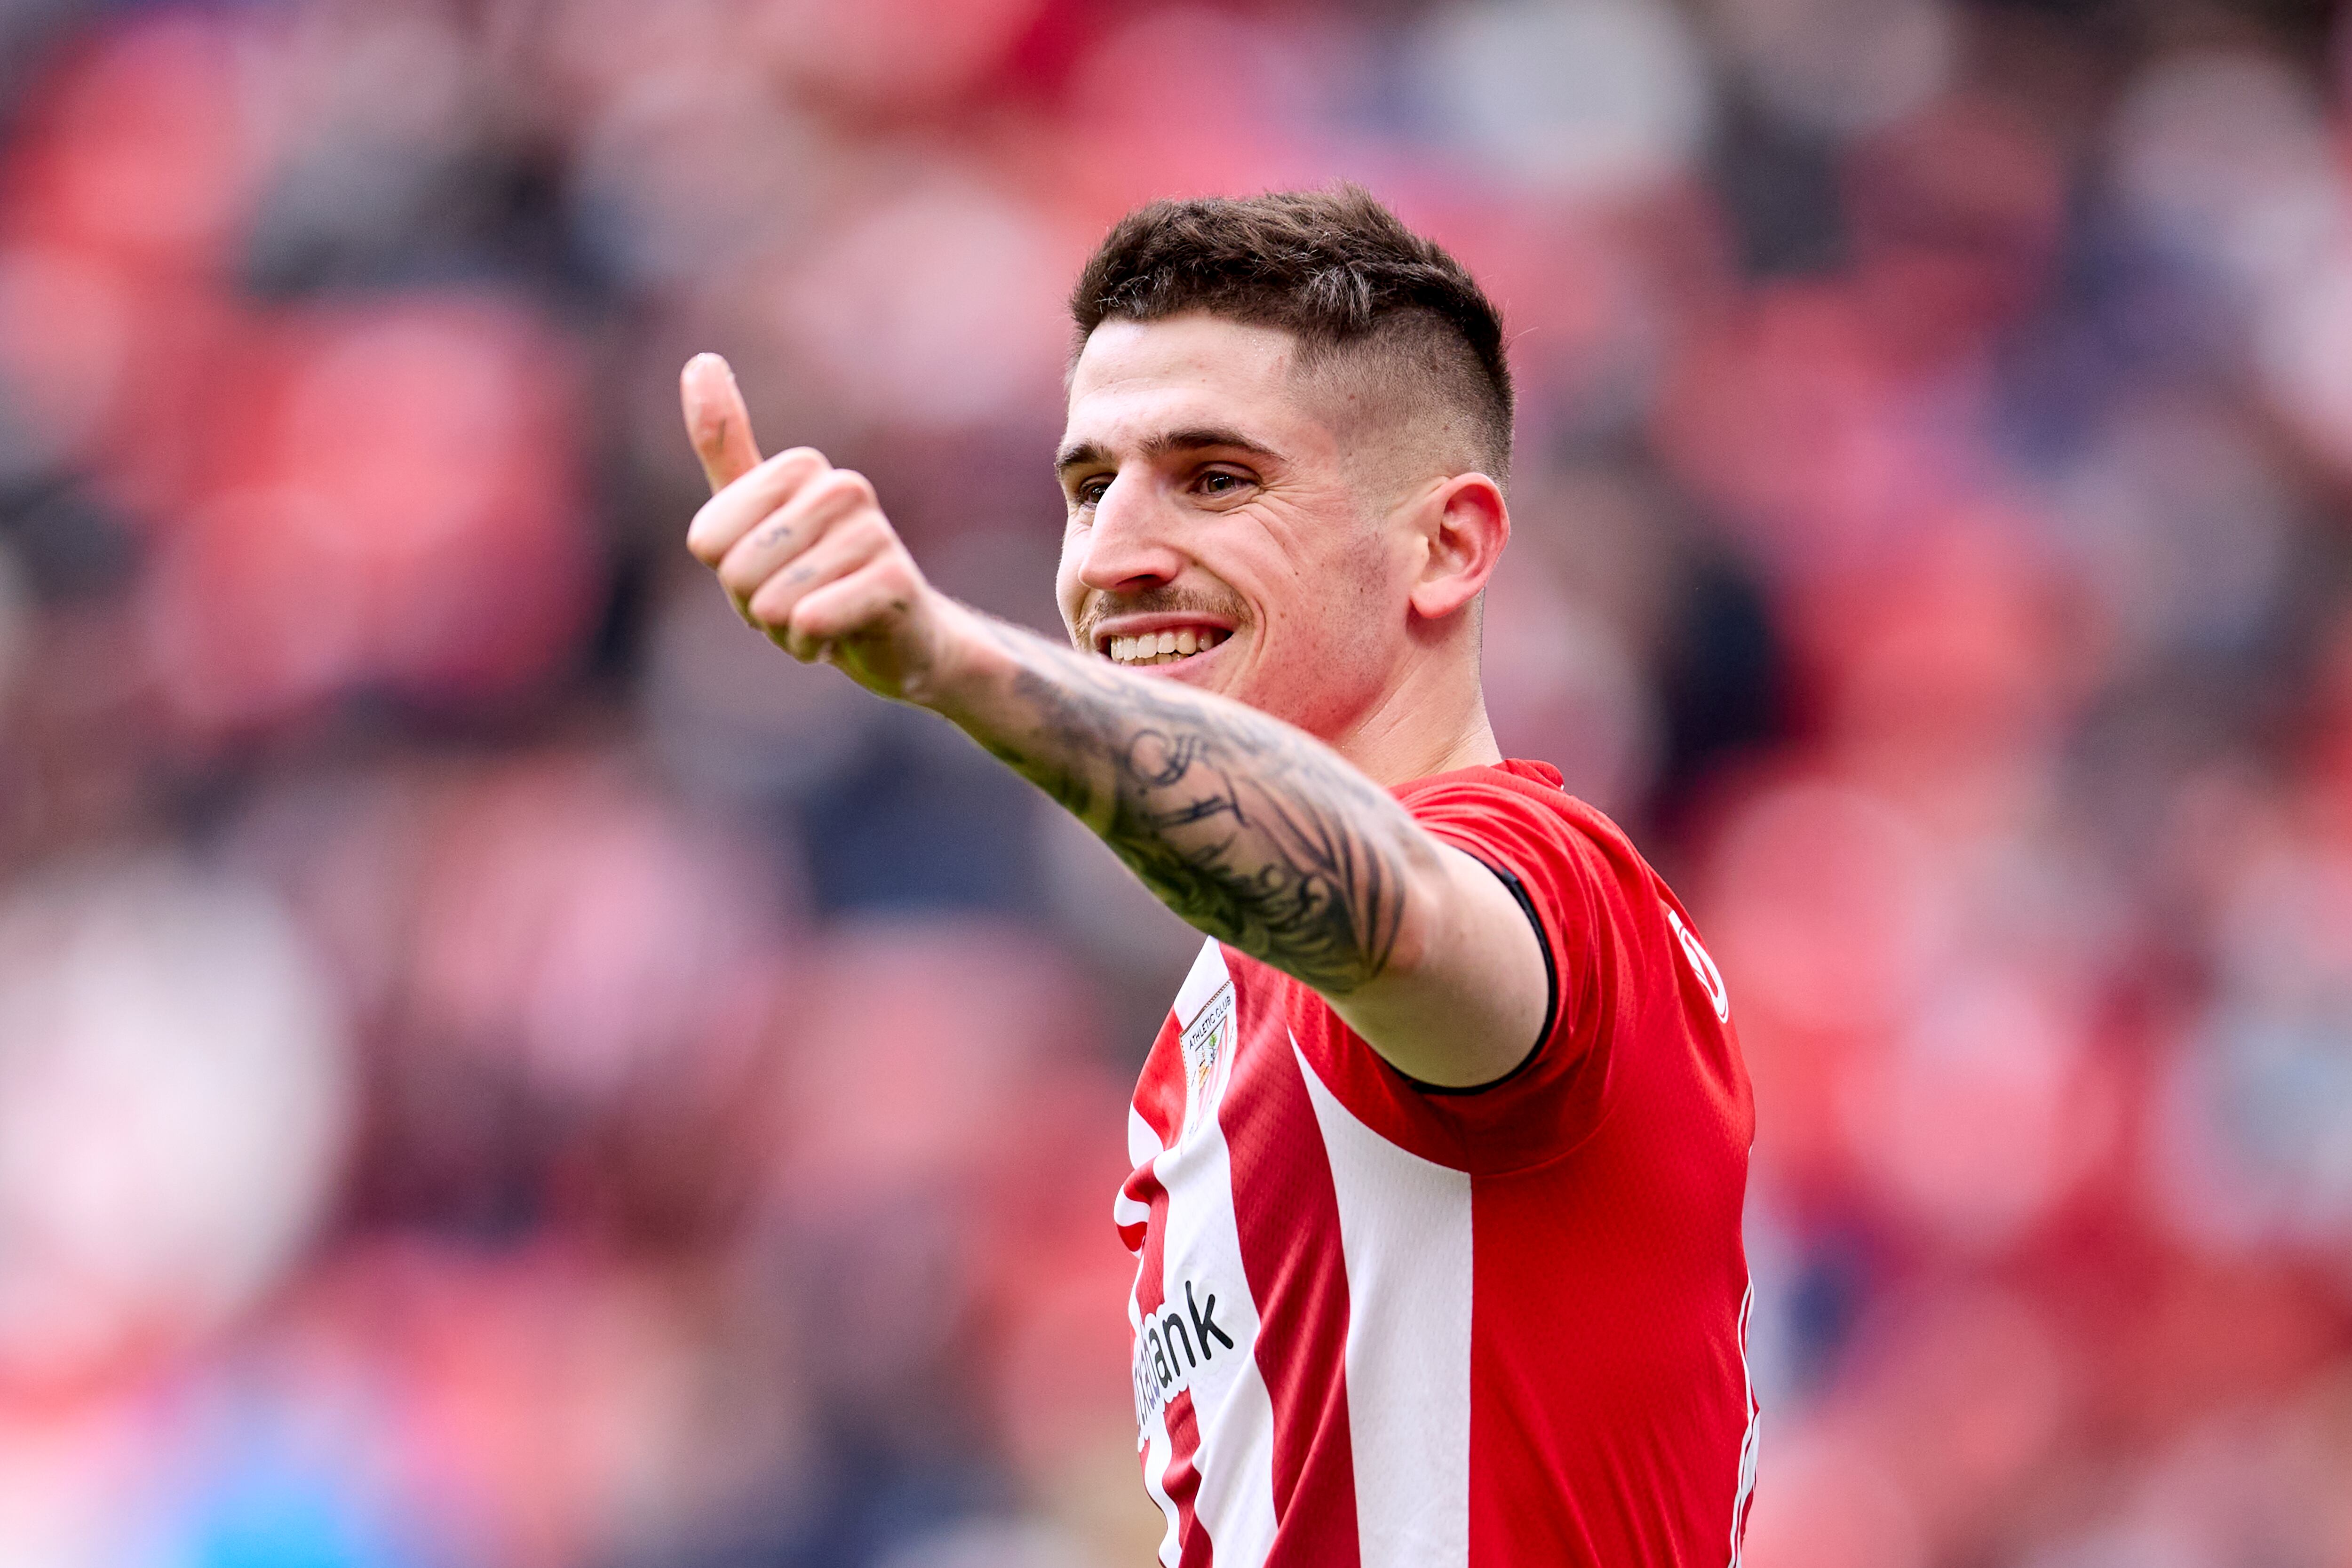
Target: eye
x=1221 y=483
x=1089 y=492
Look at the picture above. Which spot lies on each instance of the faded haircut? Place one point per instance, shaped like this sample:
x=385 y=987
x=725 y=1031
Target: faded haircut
x=1337 y=270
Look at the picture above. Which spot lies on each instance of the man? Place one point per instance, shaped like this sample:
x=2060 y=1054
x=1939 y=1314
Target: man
x=1439 y=1157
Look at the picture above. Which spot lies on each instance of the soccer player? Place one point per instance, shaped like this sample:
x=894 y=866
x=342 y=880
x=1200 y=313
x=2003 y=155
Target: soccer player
x=1439 y=1156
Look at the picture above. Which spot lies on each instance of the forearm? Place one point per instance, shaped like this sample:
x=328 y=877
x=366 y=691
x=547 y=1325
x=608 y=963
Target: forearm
x=1252 y=830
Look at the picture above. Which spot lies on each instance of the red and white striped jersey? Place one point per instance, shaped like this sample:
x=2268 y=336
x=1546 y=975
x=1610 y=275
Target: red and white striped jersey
x=1379 y=1324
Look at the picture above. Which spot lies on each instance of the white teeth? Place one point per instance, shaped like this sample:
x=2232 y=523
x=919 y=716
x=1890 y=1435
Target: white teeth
x=1164 y=648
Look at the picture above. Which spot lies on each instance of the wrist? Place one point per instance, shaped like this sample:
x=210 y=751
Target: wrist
x=968 y=658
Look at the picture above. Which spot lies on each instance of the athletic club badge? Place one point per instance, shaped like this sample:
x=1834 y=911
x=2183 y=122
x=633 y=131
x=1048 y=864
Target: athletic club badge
x=1207 y=1042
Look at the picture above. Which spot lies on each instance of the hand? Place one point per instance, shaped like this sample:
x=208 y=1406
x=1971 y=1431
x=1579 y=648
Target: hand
x=804 y=551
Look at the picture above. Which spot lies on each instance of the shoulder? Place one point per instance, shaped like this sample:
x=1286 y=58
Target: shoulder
x=1517 y=817
x=1511 y=788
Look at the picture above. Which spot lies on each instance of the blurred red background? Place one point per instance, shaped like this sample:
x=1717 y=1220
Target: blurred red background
x=500 y=1068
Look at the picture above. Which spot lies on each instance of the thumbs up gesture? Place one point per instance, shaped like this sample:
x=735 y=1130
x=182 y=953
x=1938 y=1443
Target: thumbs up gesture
x=803 y=549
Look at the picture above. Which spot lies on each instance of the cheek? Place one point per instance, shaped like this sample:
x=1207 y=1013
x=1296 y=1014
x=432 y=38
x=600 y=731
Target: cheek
x=1346 y=596
x=1328 y=618
x=1068 y=592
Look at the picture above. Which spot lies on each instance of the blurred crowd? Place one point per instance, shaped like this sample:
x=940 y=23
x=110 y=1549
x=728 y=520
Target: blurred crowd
x=501 y=1069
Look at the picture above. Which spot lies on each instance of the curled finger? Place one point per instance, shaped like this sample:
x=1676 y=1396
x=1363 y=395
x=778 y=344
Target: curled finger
x=739 y=508
x=794 y=527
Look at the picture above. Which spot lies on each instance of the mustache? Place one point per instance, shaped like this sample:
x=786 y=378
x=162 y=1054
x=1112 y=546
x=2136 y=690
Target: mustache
x=1101 y=607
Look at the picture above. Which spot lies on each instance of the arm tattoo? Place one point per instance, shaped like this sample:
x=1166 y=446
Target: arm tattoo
x=1252 y=831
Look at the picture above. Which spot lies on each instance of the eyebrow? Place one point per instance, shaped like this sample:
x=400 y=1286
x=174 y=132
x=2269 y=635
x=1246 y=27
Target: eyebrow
x=1088 y=454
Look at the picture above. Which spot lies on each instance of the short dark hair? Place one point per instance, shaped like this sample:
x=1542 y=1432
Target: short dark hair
x=1334 y=267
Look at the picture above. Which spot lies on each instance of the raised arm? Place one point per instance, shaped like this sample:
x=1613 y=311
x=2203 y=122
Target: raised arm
x=1252 y=831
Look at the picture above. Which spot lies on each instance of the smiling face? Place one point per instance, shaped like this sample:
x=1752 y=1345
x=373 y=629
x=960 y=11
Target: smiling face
x=1223 y=531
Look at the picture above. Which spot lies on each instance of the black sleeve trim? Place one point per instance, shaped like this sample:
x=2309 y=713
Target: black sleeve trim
x=1551 y=995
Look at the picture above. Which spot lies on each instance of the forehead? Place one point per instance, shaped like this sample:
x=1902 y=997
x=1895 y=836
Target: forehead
x=1134 y=377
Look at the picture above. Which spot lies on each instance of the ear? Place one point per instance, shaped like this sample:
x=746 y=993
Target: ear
x=1465 y=525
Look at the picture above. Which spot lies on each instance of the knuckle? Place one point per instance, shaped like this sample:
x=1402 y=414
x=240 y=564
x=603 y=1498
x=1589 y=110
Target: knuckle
x=702 y=538
x=806 y=626
x=736 y=576
x=795 y=464
x=854 y=486
x=781 y=476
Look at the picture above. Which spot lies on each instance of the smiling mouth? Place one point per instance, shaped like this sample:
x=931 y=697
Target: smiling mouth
x=1171 y=647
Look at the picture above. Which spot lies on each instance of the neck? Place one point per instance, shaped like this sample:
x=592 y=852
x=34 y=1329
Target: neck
x=1432 y=720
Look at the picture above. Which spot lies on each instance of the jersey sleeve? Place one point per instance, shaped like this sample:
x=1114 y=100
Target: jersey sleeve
x=1575 y=884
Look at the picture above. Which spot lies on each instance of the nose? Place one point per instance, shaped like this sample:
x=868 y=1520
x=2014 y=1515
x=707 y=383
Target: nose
x=1130 y=545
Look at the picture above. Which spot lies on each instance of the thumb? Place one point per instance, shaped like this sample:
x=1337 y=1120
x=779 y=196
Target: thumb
x=716 y=420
